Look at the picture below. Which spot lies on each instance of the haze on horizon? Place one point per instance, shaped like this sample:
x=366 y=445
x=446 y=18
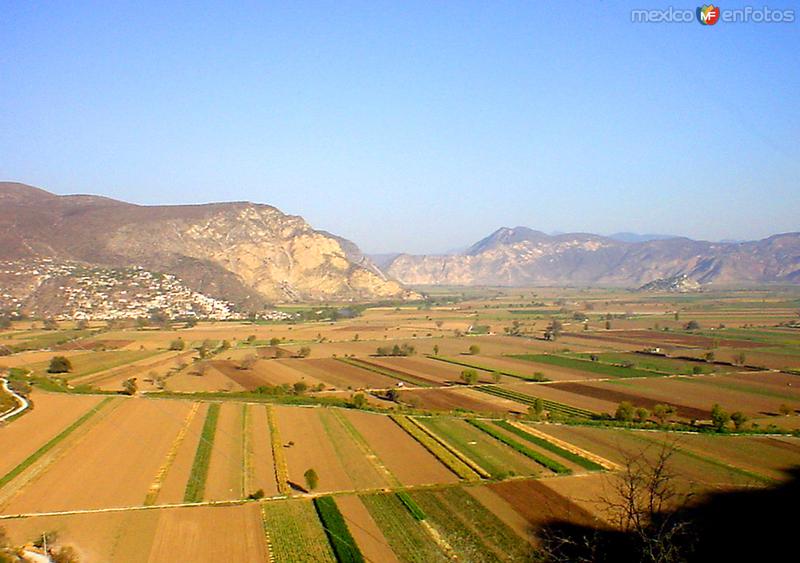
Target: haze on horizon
x=415 y=127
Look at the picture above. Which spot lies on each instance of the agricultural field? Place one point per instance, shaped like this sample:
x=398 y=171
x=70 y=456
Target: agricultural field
x=296 y=441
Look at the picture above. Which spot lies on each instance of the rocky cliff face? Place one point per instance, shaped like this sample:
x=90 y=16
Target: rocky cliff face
x=521 y=256
x=242 y=252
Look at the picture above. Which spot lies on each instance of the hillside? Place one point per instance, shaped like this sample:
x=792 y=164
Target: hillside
x=521 y=256
x=245 y=253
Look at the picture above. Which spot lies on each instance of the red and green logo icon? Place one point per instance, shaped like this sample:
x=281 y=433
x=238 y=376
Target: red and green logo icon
x=708 y=15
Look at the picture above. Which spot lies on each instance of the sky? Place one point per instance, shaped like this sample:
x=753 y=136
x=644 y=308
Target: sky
x=411 y=126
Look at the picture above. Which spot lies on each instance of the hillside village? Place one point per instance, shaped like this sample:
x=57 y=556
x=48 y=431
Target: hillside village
x=72 y=291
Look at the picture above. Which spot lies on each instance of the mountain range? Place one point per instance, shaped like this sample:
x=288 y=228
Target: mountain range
x=244 y=253
x=522 y=256
x=249 y=255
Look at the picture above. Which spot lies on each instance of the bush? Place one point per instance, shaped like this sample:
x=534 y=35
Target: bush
x=60 y=364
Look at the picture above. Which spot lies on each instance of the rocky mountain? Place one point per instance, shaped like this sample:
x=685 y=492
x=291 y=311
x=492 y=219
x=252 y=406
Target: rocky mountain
x=521 y=256
x=245 y=253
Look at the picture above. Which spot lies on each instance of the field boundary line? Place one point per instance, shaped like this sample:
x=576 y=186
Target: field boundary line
x=365 y=448
x=452 y=449
x=161 y=474
x=278 y=457
x=606 y=463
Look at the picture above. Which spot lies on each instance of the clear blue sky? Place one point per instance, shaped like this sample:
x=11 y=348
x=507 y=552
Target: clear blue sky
x=411 y=126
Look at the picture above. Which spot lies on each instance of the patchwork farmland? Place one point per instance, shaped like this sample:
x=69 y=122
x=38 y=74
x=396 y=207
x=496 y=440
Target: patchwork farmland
x=304 y=443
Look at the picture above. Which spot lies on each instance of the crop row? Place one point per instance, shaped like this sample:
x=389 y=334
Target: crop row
x=443 y=454
x=196 y=486
x=552 y=406
x=544 y=444
x=344 y=546
x=278 y=457
x=539 y=458
x=537 y=378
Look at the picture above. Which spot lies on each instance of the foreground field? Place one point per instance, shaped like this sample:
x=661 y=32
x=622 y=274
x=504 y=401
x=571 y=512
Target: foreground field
x=449 y=431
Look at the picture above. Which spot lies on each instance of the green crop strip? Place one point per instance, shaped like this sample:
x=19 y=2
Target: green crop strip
x=541 y=459
x=386 y=372
x=530 y=401
x=544 y=444
x=344 y=546
x=411 y=505
x=196 y=486
x=599 y=368
x=52 y=443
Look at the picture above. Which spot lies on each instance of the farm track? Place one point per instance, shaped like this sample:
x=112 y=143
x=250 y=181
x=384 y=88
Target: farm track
x=22 y=402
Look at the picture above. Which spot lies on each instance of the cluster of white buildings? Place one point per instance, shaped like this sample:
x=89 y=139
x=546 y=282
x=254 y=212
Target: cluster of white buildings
x=84 y=292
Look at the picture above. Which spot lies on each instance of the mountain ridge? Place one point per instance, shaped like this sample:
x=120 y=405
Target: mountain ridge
x=244 y=252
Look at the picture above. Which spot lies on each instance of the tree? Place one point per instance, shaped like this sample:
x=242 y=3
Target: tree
x=393 y=395
x=642 y=414
x=738 y=419
x=129 y=387
x=59 y=364
x=624 y=412
x=439 y=324
x=300 y=387
x=474 y=349
x=226 y=345
x=469 y=376
x=785 y=409
x=553 y=330
x=312 y=480
x=740 y=359
x=496 y=376
x=5 y=350
x=608 y=325
x=709 y=356
x=719 y=417
x=692 y=325
x=177 y=345
x=248 y=362
x=250 y=339
x=274 y=341
x=646 y=506
x=304 y=352
x=538 y=407
x=435 y=349
x=663 y=412
x=359 y=400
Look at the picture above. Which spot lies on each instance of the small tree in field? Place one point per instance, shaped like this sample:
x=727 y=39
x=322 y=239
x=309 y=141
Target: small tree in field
x=738 y=419
x=785 y=409
x=177 y=344
x=129 y=387
x=359 y=400
x=248 y=362
x=496 y=376
x=304 y=352
x=474 y=349
x=435 y=349
x=312 y=480
x=642 y=414
x=59 y=364
x=624 y=412
x=300 y=387
x=469 y=376
x=719 y=417
x=663 y=412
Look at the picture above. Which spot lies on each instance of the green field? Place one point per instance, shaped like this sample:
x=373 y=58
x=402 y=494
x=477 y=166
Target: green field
x=493 y=456
x=474 y=533
x=544 y=444
x=530 y=400
x=651 y=362
x=406 y=535
x=94 y=362
x=341 y=540
x=538 y=457
x=598 y=368
x=295 y=533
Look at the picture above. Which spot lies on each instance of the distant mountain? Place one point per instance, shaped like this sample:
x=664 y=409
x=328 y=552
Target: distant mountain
x=635 y=237
x=522 y=256
x=245 y=253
